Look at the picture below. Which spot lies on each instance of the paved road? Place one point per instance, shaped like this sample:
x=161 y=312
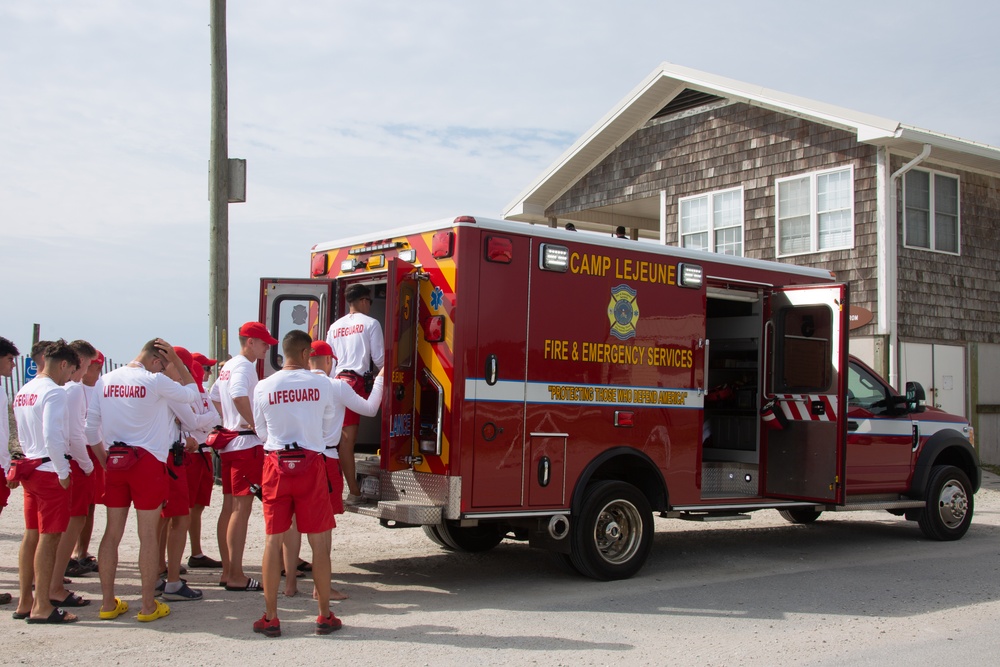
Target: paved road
x=854 y=588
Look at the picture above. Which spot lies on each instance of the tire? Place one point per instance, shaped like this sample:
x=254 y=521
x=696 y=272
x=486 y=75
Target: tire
x=472 y=539
x=435 y=537
x=948 y=513
x=799 y=515
x=613 y=534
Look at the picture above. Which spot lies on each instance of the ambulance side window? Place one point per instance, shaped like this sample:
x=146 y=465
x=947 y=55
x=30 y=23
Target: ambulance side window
x=293 y=311
x=864 y=391
x=804 y=351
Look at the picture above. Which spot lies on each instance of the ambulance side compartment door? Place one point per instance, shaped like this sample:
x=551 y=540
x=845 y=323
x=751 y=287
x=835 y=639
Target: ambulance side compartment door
x=402 y=299
x=292 y=303
x=806 y=370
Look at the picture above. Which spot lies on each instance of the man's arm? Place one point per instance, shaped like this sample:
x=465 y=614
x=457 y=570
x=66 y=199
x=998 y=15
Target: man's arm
x=54 y=432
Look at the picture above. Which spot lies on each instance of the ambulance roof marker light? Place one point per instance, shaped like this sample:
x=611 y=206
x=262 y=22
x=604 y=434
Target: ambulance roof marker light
x=553 y=258
x=690 y=275
x=465 y=218
x=409 y=255
x=348 y=265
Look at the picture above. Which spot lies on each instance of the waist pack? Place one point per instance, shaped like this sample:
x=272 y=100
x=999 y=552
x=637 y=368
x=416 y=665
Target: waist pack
x=122 y=457
x=22 y=469
x=295 y=462
x=220 y=437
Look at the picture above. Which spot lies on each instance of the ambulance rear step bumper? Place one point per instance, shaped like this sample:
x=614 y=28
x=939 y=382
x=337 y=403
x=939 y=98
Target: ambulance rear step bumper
x=401 y=513
x=407 y=496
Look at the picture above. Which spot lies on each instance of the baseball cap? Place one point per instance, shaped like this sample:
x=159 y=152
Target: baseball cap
x=320 y=348
x=203 y=360
x=99 y=359
x=259 y=331
x=185 y=356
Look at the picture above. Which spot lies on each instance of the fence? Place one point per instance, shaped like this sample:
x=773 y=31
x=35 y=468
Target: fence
x=14 y=383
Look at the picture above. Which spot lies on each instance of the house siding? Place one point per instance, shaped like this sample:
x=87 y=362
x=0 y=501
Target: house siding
x=741 y=145
x=949 y=298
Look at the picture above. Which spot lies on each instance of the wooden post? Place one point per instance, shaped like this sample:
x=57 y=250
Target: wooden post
x=218 y=254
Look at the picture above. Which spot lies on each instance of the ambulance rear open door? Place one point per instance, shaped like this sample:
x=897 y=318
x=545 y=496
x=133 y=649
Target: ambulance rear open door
x=402 y=300
x=803 y=419
x=293 y=303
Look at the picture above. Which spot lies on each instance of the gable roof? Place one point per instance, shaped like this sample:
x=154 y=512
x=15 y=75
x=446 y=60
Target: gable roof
x=672 y=87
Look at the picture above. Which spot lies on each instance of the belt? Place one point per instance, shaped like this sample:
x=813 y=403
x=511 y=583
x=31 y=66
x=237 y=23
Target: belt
x=357 y=375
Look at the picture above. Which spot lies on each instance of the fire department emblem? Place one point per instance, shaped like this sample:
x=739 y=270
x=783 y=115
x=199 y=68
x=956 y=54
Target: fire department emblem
x=623 y=312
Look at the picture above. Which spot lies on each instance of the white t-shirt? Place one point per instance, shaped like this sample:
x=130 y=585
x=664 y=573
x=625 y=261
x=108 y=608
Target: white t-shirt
x=40 y=412
x=345 y=397
x=132 y=405
x=237 y=379
x=88 y=393
x=357 y=341
x=4 y=434
x=76 y=421
x=206 y=416
x=293 y=406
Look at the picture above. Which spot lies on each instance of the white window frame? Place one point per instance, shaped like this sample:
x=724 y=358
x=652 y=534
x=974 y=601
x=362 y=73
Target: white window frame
x=931 y=232
x=813 y=212
x=710 y=200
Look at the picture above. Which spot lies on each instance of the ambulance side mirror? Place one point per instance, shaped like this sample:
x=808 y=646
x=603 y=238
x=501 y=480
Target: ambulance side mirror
x=915 y=397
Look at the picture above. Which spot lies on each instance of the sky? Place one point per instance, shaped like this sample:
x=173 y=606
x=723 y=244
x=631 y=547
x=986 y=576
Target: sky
x=358 y=117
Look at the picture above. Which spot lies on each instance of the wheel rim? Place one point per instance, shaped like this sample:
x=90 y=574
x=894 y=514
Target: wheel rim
x=618 y=532
x=953 y=504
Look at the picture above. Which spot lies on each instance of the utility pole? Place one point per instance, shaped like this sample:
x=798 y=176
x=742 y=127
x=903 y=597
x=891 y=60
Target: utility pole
x=218 y=253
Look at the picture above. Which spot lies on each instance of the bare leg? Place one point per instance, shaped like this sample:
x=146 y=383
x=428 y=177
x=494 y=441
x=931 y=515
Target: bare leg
x=26 y=570
x=107 y=554
x=237 y=538
x=45 y=560
x=161 y=544
x=194 y=531
x=347 y=438
x=149 y=523
x=176 y=539
x=320 y=543
x=68 y=540
x=291 y=545
x=221 y=531
x=86 y=532
x=271 y=573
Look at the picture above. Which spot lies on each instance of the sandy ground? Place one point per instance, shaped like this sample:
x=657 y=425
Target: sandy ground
x=860 y=588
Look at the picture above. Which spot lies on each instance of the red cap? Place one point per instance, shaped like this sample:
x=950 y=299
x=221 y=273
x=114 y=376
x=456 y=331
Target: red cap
x=198 y=373
x=259 y=331
x=185 y=356
x=99 y=359
x=320 y=348
x=203 y=360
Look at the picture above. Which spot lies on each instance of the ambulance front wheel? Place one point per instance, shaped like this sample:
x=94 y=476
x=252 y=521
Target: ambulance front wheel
x=613 y=532
x=948 y=513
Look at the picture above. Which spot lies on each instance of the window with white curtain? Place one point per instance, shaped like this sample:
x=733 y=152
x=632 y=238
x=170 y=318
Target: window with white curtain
x=713 y=222
x=815 y=212
x=931 y=217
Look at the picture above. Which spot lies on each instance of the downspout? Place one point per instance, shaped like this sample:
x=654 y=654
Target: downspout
x=888 y=294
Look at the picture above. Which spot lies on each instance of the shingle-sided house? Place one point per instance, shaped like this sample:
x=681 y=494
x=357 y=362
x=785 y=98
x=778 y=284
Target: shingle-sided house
x=910 y=217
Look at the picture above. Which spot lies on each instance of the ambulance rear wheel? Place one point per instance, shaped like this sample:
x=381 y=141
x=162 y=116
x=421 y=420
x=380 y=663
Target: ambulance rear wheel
x=948 y=513
x=799 y=515
x=472 y=539
x=435 y=537
x=613 y=533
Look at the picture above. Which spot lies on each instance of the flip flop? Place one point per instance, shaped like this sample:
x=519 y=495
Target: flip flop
x=19 y=616
x=120 y=608
x=72 y=600
x=252 y=585
x=161 y=611
x=304 y=566
x=57 y=616
x=298 y=575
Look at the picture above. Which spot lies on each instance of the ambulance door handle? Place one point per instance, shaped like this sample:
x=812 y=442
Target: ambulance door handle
x=852 y=425
x=492 y=370
x=544 y=471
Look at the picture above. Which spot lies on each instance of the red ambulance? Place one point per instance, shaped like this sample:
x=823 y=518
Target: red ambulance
x=562 y=387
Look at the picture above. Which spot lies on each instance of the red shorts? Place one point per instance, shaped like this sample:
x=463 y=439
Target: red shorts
x=336 y=479
x=241 y=469
x=4 y=493
x=46 y=503
x=357 y=383
x=97 y=476
x=306 y=496
x=177 y=491
x=143 y=486
x=81 y=491
x=200 y=476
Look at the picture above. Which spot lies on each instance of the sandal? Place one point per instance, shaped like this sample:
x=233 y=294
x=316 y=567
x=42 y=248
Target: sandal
x=72 y=600
x=120 y=608
x=251 y=585
x=161 y=611
x=58 y=616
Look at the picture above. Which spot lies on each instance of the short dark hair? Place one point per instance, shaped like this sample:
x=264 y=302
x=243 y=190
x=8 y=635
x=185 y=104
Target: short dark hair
x=294 y=342
x=60 y=350
x=7 y=347
x=83 y=348
x=357 y=292
x=38 y=349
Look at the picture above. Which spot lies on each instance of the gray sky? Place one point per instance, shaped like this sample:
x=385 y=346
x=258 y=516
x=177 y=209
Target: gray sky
x=362 y=116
